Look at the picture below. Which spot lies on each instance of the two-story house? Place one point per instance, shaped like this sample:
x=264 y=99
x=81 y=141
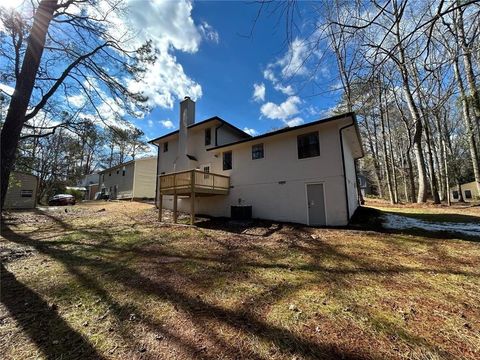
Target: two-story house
x=135 y=179
x=304 y=174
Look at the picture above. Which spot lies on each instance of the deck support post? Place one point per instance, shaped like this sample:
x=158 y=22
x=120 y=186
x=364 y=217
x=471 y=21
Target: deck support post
x=160 y=200
x=175 y=198
x=192 y=197
x=175 y=208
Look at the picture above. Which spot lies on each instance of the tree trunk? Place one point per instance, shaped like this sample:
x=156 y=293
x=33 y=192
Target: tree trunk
x=414 y=112
x=411 y=177
x=475 y=97
x=17 y=109
x=468 y=124
x=431 y=167
x=460 y=195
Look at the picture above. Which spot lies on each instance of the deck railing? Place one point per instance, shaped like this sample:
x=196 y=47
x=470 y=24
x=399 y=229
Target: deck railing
x=182 y=181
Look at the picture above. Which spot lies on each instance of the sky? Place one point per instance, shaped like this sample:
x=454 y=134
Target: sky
x=211 y=51
x=256 y=82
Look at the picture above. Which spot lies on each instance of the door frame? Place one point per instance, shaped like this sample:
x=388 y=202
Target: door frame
x=324 y=200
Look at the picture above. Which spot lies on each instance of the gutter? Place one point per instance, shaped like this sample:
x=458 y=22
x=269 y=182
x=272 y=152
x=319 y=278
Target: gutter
x=340 y=134
x=156 y=176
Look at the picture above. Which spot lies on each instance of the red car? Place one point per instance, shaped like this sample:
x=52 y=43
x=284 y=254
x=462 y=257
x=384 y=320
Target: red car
x=61 y=199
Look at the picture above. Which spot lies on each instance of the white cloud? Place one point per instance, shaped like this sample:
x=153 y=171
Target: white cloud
x=293 y=62
x=269 y=74
x=282 y=111
x=77 y=100
x=259 y=92
x=150 y=123
x=209 y=32
x=167 y=124
x=250 y=131
x=6 y=89
x=287 y=90
x=170 y=27
x=294 y=122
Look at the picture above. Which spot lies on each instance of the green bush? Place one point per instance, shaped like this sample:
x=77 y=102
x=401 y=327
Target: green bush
x=76 y=193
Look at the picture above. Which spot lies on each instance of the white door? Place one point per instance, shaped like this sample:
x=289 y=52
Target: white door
x=316 y=205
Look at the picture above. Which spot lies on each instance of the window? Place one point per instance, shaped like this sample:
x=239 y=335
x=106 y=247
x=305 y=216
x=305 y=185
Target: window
x=468 y=194
x=208 y=136
x=257 y=151
x=227 y=160
x=206 y=169
x=26 y=193
x=118 y=171
x=455 y=194
x=109 y=174
x=165 y=146
x=123 y=171
x=308 y=145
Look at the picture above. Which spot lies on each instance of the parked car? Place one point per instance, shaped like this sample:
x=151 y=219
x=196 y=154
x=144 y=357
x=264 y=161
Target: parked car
x=61 y=199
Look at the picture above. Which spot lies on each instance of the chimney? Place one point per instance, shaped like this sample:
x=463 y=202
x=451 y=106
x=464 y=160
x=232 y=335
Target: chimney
x=187 y=118
x=187 y=112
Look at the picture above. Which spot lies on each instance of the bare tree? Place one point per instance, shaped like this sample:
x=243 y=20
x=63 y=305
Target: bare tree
x=69 y=48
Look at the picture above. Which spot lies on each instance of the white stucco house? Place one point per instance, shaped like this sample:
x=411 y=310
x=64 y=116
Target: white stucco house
x=303 y=174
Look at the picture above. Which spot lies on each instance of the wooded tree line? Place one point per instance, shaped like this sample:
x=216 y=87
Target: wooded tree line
x=64 y=157
x=409 y=69
x=68 y=65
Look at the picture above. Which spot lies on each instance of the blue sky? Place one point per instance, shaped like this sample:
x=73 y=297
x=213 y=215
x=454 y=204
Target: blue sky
x=226 y=64
x=258 y=83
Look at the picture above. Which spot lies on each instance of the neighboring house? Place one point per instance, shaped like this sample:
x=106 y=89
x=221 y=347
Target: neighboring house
x=132 y=180
x=90 y=183
x=469 y=192
x=22 y=191
x=304 y=174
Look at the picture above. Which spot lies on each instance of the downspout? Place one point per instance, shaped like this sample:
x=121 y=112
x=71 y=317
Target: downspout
x=156 y=177
x=216 y=133
x=343 y=166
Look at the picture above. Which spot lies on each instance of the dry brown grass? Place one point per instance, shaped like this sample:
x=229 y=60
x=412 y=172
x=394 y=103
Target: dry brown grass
x=117 y=284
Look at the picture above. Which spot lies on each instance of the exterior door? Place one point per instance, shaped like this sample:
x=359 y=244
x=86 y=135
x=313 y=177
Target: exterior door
x=316 y=205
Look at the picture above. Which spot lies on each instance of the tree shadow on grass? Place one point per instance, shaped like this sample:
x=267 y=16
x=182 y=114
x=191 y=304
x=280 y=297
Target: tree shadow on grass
x=202 y=313
x=50 y=332
x=206 y=316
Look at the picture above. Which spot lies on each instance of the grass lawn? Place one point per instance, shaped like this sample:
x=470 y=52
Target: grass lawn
x=107 y=281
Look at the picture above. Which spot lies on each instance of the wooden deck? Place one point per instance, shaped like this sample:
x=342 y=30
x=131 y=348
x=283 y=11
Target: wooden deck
x=190 y=183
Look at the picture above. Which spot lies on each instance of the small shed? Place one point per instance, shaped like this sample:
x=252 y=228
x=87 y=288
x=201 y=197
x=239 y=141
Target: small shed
x=22 y=191
x=469 y=192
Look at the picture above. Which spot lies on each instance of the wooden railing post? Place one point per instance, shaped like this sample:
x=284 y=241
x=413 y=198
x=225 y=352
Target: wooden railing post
x=174 y=198
x=160 y=198
x=192 y=197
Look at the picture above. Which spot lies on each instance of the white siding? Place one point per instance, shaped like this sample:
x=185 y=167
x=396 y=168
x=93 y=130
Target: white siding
x=21 y=182
x=144 y=182
x=275 y=186
x=350 y=174
x=110 y=178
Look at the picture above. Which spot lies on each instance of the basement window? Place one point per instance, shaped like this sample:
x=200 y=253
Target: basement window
x=227 y=160
x=308 y=145
x=257 y=151
x=26 y=193
x=468 y=194
x=165 y=146
x=208 y=136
